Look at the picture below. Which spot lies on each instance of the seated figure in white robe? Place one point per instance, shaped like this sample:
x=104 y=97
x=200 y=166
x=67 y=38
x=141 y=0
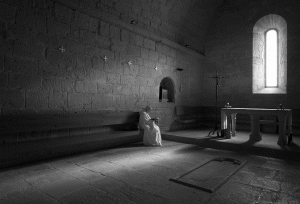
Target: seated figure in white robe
x=151 y=136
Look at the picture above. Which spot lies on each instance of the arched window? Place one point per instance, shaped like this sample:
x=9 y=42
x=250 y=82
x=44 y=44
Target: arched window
x=167 y=90
x=269 y=65
x=271 y=52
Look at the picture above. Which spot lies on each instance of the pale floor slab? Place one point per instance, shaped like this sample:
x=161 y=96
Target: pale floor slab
x=139 y=174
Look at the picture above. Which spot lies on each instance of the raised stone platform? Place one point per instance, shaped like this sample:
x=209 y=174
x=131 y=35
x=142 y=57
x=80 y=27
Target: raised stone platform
x=240 y=143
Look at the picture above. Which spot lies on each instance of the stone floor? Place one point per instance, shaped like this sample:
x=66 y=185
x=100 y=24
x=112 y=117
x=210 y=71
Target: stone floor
x=139 y=174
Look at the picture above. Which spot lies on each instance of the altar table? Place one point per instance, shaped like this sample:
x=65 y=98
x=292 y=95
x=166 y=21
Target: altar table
x=228 y=121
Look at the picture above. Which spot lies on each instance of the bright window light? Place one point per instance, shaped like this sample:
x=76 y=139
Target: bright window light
x=271 y=59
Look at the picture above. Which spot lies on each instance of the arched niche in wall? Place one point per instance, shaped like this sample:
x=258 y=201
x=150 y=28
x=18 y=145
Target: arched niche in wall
x=167 y=90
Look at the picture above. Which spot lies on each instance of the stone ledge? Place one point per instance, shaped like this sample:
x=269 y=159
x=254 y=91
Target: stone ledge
x=22 y=153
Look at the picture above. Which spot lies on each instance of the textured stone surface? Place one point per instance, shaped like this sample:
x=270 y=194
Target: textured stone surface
x=139 y=174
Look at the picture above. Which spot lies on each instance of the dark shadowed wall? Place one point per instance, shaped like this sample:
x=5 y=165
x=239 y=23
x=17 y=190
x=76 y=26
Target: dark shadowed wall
x=52 y=54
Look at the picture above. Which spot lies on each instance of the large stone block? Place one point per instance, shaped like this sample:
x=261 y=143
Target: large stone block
x=21 y=66
x=58 y=28
x=140 y=81
x=149 y=63
x=7 y=13
x=12 y=98
x=94 y=25
x=166 y=50
x=95 y=75
x=104 y=88
x=37 y=99
x=104 y=28
x=86 y=87
x=117 y=45
x=58 y=100
x=42 y=39
x=57 y=57
x=103 y=42
x=83 y=61
x=3 y=80
x=88 y=38
x=114 y=32
x=139 y=61
x=151 y=82
x=119 y=89
x=2 y=60
x=153 y=55
x=127 y=79
x=29 y=51
x=81 y=21
x=150 y=44
x=51 y=70
x=98 y=63
x=63 y=14
x=144 y=71
x=20 y=33
x=136 y=39
x=40 y=23
x=128 y=102
x=79 y=100
x=162 y=58
x=135 y=90
x=154 y=25
x=145 y=90
x=100 y=101
x=134 y=50
x=113 y=78
x=51 y=83
x=125 y=35
x=68 y=85
x=74 y=46
x=145 y=53
x=131 y=69
x=171 y=61
x=159 y=48
x=21 y=81
x=113 y=67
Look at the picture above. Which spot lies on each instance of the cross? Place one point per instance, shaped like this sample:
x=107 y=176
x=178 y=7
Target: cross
x=217 y=77
x=280 y=107
x=105 y=58
x=62 y=49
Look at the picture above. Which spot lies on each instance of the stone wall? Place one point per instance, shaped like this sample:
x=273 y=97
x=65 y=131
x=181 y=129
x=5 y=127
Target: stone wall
x=84 y=56
x=228 y=49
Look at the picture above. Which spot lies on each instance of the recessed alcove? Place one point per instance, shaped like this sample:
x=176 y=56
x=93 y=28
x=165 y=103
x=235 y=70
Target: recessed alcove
x=167 y=90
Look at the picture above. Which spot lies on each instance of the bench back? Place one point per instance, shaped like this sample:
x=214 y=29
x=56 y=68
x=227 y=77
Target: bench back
x=45 y=122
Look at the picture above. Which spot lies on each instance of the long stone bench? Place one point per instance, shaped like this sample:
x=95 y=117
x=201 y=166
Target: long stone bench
x=188 y=117
x=28 y=138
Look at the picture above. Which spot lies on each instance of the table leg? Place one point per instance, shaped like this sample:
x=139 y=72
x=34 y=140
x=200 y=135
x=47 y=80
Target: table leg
x=255 y=128
x=233 y=128
x=229 y=125
x=282 y=130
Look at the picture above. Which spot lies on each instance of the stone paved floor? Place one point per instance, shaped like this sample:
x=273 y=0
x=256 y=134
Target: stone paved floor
x=139 y=174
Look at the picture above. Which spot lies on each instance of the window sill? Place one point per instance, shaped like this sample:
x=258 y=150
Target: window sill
x=270 y=91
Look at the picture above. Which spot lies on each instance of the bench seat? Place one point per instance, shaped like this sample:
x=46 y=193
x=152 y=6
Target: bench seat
x=29 y=138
